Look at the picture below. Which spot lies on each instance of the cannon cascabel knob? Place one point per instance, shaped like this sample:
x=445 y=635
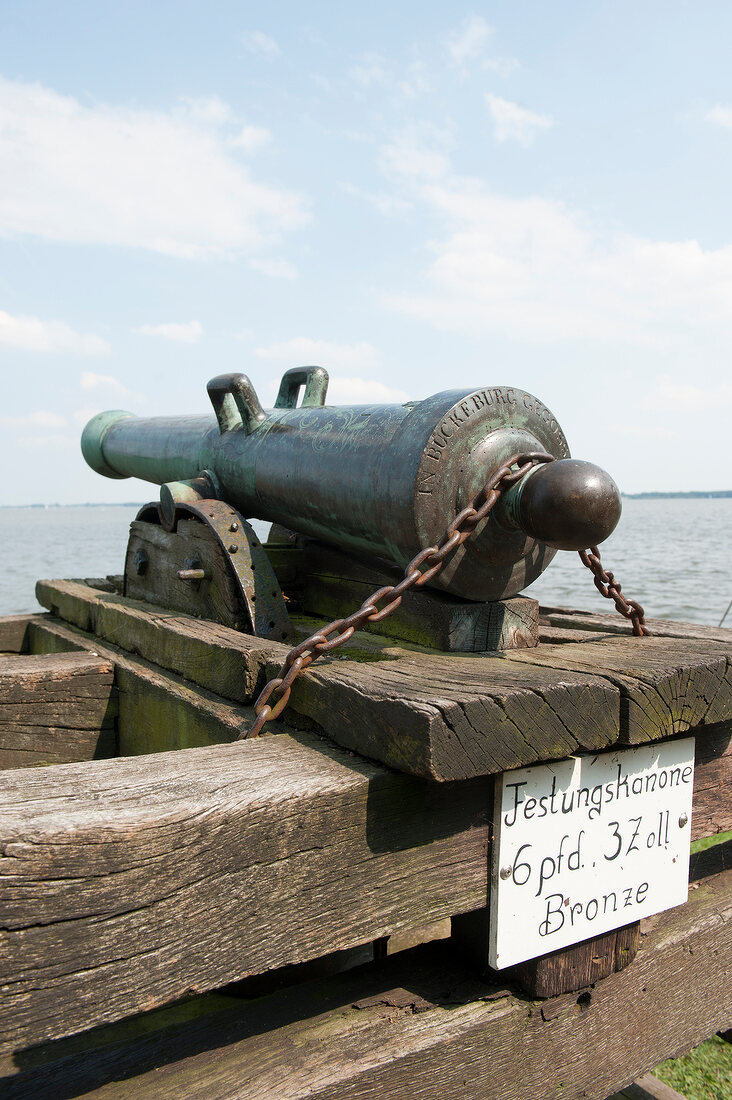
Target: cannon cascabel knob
x=568 y=504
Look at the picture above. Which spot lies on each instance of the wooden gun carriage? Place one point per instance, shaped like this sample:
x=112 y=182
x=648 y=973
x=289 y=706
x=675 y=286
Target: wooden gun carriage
x=306 y=913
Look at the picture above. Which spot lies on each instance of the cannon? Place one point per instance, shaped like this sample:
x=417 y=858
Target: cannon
x=379 y=482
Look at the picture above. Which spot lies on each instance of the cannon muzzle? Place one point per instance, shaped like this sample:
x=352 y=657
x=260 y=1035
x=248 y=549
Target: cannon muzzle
x=378 y=480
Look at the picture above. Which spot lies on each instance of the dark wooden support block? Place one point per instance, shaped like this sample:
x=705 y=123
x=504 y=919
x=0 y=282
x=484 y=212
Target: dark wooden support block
x=56 y=709
x=581 y=965
x=418 y=1026
x=331 y=584
x=565 y=971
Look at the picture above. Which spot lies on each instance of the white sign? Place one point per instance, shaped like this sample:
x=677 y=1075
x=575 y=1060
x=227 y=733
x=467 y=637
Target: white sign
x=588 y=844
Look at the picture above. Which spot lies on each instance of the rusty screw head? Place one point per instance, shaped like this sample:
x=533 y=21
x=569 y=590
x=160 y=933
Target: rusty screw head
x=234 y=526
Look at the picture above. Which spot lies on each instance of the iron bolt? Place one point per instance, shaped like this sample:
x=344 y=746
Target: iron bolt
x=233 y=526
x=505 y=872
x=683 y=820
x=233 y=548
x=140 y=562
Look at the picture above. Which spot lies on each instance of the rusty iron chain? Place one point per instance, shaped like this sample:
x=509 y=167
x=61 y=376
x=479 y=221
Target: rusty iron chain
x=610 y=588
x=432 y=558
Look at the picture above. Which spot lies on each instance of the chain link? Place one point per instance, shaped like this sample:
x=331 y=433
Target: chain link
x=605 y=582
x=433 y=557
x=459 y=530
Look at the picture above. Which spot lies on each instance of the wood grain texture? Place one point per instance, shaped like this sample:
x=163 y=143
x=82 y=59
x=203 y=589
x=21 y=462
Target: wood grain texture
x=666 y=685
x=612 y=623
x=13 y=634
x=712 y=782
x=419 y=1027
x=56 y=709
x=331 y=584
x=209 y=654
x=441 y=717
x=158 y=711
x=129 y=883
x=444 y=717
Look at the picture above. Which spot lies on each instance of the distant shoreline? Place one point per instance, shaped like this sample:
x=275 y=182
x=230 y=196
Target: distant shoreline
x=694 y=494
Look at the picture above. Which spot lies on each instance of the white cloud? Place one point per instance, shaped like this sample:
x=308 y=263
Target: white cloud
x=251 y=139
x=514 y=123
x=686 y=397
x=532 y=269
x=276 y=269
x=415 y=153
x=504 y=66
x=303 y=350
x=720 y=116
x=363 y=391
x=187 y=332
x=387 y=204
x=257 y=42
x=210 y=108
x=90 y=381
x=40 y=419
x=370 y=71
x=34 y=334
x=469 y=40
x=110 y=175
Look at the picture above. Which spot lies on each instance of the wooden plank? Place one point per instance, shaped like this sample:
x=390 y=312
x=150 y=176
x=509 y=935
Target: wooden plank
x=712 y=782
x=649 y=1087
x=13 y=634
x=666 y=685
x=158 y=711
x=455 y=716
x=56 y=709
x=332 y=584
x=612 y=623
x=442 y=717
x=215 y=657
x=420 y=1027
x=129 y=883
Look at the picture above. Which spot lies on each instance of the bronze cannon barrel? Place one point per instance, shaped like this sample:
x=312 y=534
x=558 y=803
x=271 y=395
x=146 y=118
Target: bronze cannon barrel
x=378 y=480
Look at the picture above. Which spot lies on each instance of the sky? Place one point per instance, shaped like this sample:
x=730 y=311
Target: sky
x=415 y=196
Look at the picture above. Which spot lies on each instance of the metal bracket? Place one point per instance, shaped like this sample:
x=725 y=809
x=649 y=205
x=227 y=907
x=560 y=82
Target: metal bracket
x=252 y=570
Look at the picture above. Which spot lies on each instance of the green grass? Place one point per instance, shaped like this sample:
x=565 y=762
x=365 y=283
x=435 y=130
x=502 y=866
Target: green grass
x=703 y=1074
x=710 y=841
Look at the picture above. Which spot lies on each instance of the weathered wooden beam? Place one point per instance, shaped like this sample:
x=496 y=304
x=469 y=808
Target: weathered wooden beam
x=56 y=709
x=712 y=782
x=129 y=883
x=612 y=623
x=420 y=1027
x=442 y=717
x=13 y=633
x=331 y=584
x=158 y=711
x=666 y=685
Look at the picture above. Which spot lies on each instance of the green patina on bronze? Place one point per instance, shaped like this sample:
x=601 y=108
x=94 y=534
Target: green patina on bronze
x=377 y=480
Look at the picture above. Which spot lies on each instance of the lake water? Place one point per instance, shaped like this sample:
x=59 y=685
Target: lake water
x=673 y=556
